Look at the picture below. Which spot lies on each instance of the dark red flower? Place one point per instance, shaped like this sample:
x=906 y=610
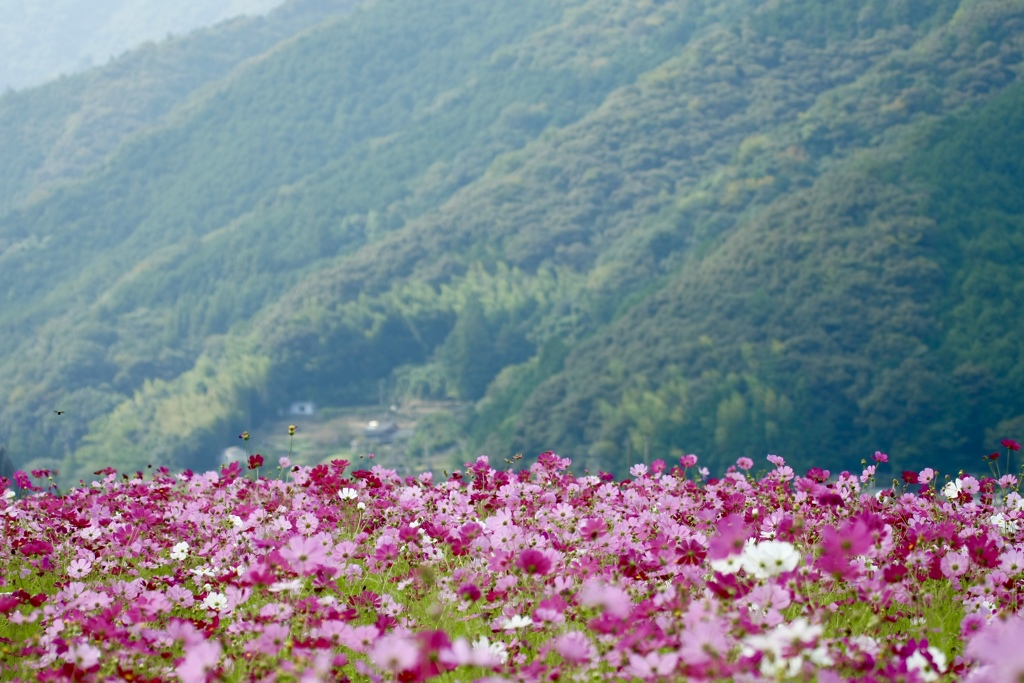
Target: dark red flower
x=690 y=552
x=255 y=461
x=992 y=456
x=1011 y=444
x=910 y=477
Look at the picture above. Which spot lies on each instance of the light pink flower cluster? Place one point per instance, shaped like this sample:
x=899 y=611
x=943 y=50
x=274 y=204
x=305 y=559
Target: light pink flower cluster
x=530 y=575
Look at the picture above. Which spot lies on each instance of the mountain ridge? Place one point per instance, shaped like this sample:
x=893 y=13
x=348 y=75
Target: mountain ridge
x=552 y=230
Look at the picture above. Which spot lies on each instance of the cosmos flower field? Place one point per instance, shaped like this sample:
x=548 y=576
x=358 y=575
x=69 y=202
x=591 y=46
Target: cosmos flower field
x=537 y=574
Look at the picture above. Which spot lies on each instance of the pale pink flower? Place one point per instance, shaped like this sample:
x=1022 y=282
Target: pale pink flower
x=652 y=664
x=307 y=523
x=998 y=646
x=1012 y=561
x=304 y=554
x=82 y=655
x=705 y=640
x=611 y=599
x=200 y=659
x=79 y=569
x=574 y=647
x=271 y=640
x=395 y=653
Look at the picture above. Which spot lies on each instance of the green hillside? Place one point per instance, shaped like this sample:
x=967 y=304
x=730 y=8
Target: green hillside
x=621 y=231
x=66 y=128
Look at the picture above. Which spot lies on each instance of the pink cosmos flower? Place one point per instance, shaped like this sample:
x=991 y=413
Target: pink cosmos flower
x=998 y=647
x=840 y=546
x=638 y=470
x=395 y=653
x=732 y=535
x=1012 y=561
x=970 y=485
x=200 y=660
x=304 y=554
x=79 y=569
x=306 y=524
x=84 y=656
x=744 y=463
x=180 y=596
x=270 y=641
x=593 y=528
x=652 y=664
x=954 y=564
x=705 y=641
x=611 y=599
x=360 y=638
x=574 y=647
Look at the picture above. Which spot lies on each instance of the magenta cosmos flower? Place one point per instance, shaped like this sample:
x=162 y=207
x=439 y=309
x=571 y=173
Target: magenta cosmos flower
x=533 y=562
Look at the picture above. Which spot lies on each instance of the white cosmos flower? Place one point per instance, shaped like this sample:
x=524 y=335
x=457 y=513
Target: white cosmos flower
x=294 y=585
x=485 y=652
x=952 y=489
x=516 y=622
x=348 y=494
x=793 y=635
x=1005 y=525
x=919 y=663
x=179 y=552
x=769 y=558
x=215 y=601
x=729 y=565
x=778 y=668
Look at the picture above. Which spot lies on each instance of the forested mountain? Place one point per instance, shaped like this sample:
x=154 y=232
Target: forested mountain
x=618 y=230
x=64 y=129
x=42 y=39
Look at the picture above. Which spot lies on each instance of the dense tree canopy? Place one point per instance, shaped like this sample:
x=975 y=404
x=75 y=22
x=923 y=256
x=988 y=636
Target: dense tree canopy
x=617 y=230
